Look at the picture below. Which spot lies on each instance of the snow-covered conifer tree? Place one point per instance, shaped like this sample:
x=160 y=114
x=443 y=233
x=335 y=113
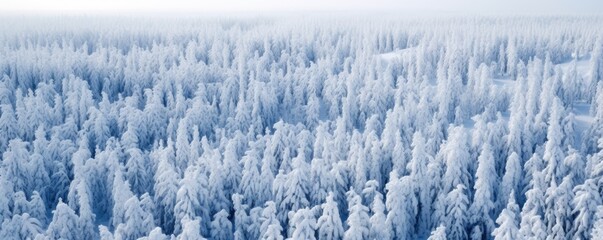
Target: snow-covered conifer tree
x=329 y=224
x=507 y=221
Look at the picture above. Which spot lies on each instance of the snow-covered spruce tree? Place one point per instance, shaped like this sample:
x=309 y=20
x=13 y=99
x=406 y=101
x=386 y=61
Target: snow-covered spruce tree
x=251 y=177
x=585 y=203
x=553 y=153
x=241 y=219
x=457 y=212
x=597 y=230
x=438 y=234
x=483 y=204
x=64 y=221
x=273 y=232
x=358 y=218
x=456 y=155
x=576 y=162
x=192 y=198
x=138 y=175
x=303 y=224
x=21 y=227
x=15 y=162
x=508 y=221
x=531 y=226
x=379 y=228
x=8 y=125
x=596 y=70
x=418 y=172
x=191 y=230
x=221 y=227
x=531 y=167
x=532 y=214
x=511 y=179
x=401 y=206
x=137 y=222
x=166 y=189
x=255 y=222
x=270 y=227
x=297 y=186
x=329 y=224
x=557 y=215
x=37 y=207
x=121 y=193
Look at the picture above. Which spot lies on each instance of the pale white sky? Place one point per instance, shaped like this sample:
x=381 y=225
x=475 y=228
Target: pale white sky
x=460 y=6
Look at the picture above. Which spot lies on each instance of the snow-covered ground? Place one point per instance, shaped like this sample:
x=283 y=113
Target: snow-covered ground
x=398 y=54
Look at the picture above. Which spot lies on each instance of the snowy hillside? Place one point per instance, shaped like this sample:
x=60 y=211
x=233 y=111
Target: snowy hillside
x=321 y=128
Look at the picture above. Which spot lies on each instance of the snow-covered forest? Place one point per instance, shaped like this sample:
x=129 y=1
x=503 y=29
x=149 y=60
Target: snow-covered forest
x=310 y=128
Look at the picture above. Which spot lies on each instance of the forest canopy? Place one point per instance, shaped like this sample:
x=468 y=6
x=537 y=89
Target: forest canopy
x=316 y=128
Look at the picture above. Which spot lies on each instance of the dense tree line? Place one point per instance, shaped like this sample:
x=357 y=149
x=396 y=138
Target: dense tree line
x=323 y=128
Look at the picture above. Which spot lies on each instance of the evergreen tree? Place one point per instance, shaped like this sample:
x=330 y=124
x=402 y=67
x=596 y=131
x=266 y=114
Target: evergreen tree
x=511 y=178
x=533 y=165
x=64 y=221
x=8 y=126
x=191 y=230
x=553 y=154
x=241 y=220
x=531 y=226
x=251 y=177
x=577 y=165
x=5 y=199
x=183 y=151
x=156 y=234
x=379 y=229
x=255 y=222
x=217 y=193
x=418 y=172
x=585 y=208
x=121 y=193
x=266 y=180
x=597 y=231
x=507 y=221
x=87 y=218
x=329 y=224
x=16 y=159
x=303 y=224
x=297 y=186
x=269 y=220
x=273 y=232
x=166 y=189
x=37 y=208
x=438 y=234
x=483 y=201
x=20 y=227
x=20 y=204
x=137 y=223
x=358 y=218
x=137 y=172
x=189 y=198
x=401 y=206
x=278 y=191
x=40 y=178
x=456 y=212
x=456 y=156
x=221 y=228
x=558 y=208
x=104 y=233
x=232 y=176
